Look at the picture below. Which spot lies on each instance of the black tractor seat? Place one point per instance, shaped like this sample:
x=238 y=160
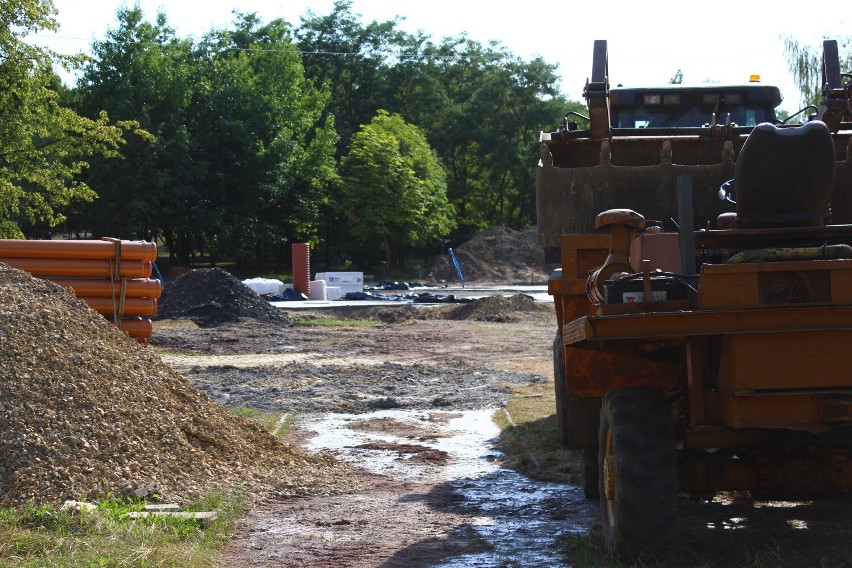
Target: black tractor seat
x=784 y=177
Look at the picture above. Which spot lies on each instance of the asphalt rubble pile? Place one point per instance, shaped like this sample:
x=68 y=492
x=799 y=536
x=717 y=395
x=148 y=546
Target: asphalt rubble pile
x=88 y=412
x=211 y=297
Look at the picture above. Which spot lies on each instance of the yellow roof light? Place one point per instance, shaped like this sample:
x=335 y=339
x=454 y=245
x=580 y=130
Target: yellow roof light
x=753 y=78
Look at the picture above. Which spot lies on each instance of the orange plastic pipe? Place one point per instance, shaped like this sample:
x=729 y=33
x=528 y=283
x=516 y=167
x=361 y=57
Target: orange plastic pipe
x=136 y=327
x=132 y=306
x=84 y=250
x=69 y=267
x=107 y=288
x=302 y=267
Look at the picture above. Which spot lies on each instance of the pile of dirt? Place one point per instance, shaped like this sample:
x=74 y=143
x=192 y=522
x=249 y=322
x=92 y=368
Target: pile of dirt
x=212 y=296
x=501 y=309
x=498 y=254
x=88 y=412
x=504 y=309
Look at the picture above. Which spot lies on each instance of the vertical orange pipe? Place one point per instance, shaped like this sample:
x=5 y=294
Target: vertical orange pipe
x=302 y=268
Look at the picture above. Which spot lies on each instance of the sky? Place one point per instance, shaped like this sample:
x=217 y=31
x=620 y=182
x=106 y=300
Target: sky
x=648 y=41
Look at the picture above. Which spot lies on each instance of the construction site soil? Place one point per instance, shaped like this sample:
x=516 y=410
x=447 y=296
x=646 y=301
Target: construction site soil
x=88 y=412
x=436 y=362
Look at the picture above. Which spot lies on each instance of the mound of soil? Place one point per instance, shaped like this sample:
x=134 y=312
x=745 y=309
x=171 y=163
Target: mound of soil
x=498 y=309
x=508 y=309
x=88 y=412
x=212 y=296
x=498 y=254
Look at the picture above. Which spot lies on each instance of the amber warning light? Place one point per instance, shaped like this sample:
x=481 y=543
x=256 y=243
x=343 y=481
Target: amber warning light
x=754 y=78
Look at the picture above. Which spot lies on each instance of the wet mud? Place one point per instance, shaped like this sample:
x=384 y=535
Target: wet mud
x=511 y=519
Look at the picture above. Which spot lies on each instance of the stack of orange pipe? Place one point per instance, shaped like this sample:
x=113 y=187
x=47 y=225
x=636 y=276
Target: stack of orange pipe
x=112 y=276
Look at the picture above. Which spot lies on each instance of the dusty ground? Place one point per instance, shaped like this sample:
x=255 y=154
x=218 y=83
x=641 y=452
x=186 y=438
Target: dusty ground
x=435 y=367
x=425 y=362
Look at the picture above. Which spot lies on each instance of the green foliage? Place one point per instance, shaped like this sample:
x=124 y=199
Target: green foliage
x=267 y=146
x=352 y=60
x=140 y=71
x=43 y=535
x=394 y=188
x=44 y=145
x=243 y=153
x=480 y=107
x=805 y=63
x=677 y=78
x=249 y=122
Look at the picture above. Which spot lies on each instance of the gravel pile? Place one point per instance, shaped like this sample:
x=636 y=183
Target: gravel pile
x=212 y=296
x=86 y=411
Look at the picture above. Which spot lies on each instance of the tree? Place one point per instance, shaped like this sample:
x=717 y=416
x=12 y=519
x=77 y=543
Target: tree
x=805 y=63
x=483 y=109
x=43 y=145
x=349 y=58
x=480 y=107
x=394 y=188
x=267 y=148
x=142 y=71
x=242 y=153
x=677 y=78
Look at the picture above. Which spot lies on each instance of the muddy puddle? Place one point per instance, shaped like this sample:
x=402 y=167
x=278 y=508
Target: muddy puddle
x=520 y=521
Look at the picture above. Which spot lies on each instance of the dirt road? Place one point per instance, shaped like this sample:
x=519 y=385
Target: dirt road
x=412 y=404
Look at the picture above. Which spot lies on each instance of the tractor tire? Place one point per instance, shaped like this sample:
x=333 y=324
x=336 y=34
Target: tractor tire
x=638 y=472
x=561 y=390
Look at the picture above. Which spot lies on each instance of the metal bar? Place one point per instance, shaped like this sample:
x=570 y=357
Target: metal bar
x=687 y=227
x=760 y=238
x=710 y=322
x=696 y=362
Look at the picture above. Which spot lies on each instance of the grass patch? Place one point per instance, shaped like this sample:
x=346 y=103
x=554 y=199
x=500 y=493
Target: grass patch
x=267 y=420
x=284 y=425
x=332 y=321
x=35 y=536
x=41 y=536
x=274 y=422
x=174 y=324
x=530 y=442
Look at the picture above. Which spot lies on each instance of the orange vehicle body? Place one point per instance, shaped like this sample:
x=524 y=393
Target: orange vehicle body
x=713 y=356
